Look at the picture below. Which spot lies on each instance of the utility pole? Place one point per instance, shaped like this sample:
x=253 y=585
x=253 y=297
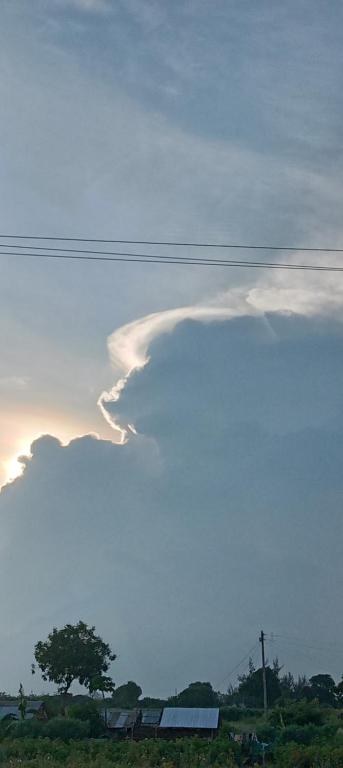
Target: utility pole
x=265 y=702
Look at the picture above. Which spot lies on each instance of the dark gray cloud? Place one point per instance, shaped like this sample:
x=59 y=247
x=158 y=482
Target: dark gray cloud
x=224 y=516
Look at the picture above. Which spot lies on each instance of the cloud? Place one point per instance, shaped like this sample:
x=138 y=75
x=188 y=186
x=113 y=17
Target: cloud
x=233 y=509
x=307 y=294
x=128 y=346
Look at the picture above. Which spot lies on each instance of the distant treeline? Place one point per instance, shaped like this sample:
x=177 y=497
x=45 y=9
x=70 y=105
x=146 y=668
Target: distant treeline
x=75 y=653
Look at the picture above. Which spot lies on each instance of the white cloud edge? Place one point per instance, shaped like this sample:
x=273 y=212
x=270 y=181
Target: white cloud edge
x=285 y=292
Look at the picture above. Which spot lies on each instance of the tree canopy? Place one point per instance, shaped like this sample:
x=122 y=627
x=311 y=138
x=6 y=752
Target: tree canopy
x=75 y=652
x=196 y=695
x=251 y=686
x=323 y=688
x=127 y=695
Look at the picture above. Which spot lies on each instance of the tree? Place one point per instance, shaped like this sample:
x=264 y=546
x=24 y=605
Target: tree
x=301 y=688
x=102 y=683
x=127 y=695
x=287 y=685
x=90 y=713
x=74 y=653
x=323 y=688
x=251 y=687
x=339 y=693
x=196 y=695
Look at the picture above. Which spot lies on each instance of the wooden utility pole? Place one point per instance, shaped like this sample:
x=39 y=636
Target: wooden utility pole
x=265 y=701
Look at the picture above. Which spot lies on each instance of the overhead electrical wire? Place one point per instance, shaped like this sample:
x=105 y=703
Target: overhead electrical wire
x=176 y=244
x=237 y=666
x=76 y=254
x=325 y=646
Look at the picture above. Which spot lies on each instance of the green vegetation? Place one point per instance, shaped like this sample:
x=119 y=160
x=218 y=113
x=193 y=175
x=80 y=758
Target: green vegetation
x=126 y=696
x=303 y=728
x=75 y=653
x=72 y=749
x=301 y=735
x=185 y=753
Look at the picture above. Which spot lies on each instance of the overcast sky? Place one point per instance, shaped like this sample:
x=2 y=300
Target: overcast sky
x=221 y=511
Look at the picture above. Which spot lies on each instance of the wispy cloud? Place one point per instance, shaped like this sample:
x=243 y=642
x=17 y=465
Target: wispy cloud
x=306 y=294
x=129 y=345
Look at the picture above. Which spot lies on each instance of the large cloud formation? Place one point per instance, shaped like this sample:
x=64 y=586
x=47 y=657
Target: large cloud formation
x=298 y=292
x=225 y=517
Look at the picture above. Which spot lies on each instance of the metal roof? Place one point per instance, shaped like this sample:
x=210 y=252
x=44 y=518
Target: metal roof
x=34 y=706
x=151 y=716
x=190 y=717
x=120 y=718
x=31 y=704
x=9 y=711
x=13 y=712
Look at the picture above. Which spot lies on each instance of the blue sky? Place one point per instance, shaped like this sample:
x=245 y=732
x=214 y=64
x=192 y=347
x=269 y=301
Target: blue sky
x=190 y=121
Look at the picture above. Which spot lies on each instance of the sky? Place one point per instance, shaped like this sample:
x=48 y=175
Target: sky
x=180 y=428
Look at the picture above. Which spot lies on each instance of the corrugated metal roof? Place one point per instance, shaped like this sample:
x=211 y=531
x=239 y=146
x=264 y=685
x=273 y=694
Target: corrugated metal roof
x=120 y=718
x=13 y=712
x=190 y=717
x=151 y=716
x=31 y=704
x=34 y=706
x=9 y=711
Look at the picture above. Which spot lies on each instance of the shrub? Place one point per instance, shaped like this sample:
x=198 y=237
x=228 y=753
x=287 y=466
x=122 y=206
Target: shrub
x=56 y=728
x=302 y=713
x=309 y=757
x=307 y=734
x=88 y=712
x=65 y=728
x=22 y=728
x=233 y=714
x=266 y=733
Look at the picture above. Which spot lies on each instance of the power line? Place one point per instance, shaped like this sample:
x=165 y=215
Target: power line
x=328 y=647
x=158 y=259
x=176 y=244
x=125 y=253
x=236 y=667
x=187 y=259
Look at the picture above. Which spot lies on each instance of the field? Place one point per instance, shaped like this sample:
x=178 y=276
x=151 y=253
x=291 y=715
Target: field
x=293 y=746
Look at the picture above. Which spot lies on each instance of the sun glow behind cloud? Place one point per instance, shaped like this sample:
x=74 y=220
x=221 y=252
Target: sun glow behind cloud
x=13 y=467
x=129 y=352
x=20 y=429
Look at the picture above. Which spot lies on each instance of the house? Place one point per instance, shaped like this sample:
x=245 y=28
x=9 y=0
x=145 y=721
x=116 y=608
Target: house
x=9 y=712
x=148 y=723
x=169 y=723
x=186 y=721
x=120 y=722
x=9 y=709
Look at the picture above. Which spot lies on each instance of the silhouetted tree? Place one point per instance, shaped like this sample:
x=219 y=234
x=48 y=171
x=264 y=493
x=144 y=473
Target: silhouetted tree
x=74 y=653
x=251 y=687
x=323 y=688
x=196 y=695
x=127 y=695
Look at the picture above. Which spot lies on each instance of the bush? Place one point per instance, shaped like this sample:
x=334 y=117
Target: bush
x=309 y=757
x=56 y=728
x=22 y=728
x=88 y=712
x=233 y=714
x=65 y=728
x=307 y=734
x=302 y=713
x=266 y=733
